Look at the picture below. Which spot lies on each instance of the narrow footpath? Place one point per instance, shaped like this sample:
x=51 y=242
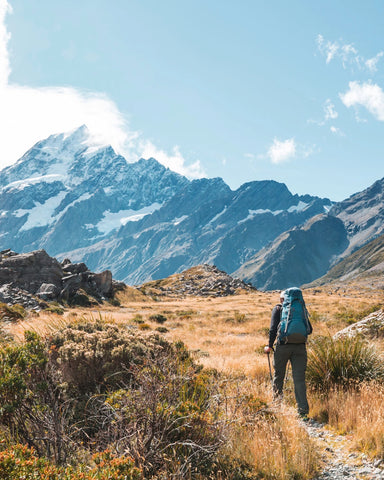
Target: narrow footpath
x=341 y=462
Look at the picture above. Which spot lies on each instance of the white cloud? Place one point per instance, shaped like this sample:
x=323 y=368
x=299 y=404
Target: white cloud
x=371 y=63
x=29 y=114
x=4 y=37
x=173 y=161
x=330 y=112
x=282 y=151
x=337 y=131
x=368 y=95
x=347 y=54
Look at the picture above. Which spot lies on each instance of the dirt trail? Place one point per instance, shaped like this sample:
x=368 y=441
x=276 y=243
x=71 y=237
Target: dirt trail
x=341 y=461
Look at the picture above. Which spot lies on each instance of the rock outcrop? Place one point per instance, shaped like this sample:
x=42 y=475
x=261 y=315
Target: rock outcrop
x=371 y=326
x=32 y=278
x=203 y=280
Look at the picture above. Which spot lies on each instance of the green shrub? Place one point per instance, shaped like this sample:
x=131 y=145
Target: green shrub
x=168 y=422
x=138 y=319
x=114 y=302
x=55 y=309
x=144 y=326
x=351 y=316
x=82 y=299
x=158 y=318
x=97 y=386
x=13 y=313
x=344 y=361
x=96 y=356
x=162 y=329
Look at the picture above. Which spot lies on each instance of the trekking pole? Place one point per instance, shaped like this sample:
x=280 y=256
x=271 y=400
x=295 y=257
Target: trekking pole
x=270 y=370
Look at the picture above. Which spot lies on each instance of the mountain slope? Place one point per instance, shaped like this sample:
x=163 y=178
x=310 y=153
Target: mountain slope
x=297 y=256
x=282 y=264
x=362 y=215
x=366 y=264
x=194 y=227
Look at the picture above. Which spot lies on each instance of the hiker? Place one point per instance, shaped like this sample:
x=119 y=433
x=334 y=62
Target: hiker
x=290 y=325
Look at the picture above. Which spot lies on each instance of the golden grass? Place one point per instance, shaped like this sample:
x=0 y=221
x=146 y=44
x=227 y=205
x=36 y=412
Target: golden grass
x=229 y=334
x=359 y=412
x=281 y=449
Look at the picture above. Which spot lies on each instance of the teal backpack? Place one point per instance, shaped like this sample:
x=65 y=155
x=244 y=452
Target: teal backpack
x=294 y=325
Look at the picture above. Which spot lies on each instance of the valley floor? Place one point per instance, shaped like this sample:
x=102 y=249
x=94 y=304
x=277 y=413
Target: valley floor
x=229 y=334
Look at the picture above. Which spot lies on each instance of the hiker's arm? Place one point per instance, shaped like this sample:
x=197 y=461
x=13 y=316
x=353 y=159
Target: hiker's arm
x=275 y=320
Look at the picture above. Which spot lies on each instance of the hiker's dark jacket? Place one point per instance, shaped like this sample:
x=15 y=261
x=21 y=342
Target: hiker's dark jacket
x=275 y=321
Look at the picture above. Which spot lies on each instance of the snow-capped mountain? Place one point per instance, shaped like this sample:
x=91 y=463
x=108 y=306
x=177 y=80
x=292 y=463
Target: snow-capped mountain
x=67 y=192
x=77 y=198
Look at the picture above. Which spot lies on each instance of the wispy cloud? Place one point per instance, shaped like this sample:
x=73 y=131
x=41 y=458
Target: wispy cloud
x=29 y=114
x=282 y=150
x=5 y=69
x=337 y=131
x=173 y=161
x=367 y=95
x=371 y=63
x=330 y=112
x=347 y=53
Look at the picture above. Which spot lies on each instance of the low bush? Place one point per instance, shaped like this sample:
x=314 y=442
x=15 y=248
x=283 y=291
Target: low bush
x=12 y=313
x=115 y=302
x=20 y=462
x=162 y=329
x=344 y=361
x=158 y=318
x=93 y=385
x=55 y=309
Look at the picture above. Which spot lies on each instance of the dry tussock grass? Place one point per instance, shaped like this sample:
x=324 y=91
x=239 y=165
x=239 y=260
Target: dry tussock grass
x=362 y=415
x=229 y=334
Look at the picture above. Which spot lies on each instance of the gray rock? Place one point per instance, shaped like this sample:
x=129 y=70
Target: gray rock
x=48 y=291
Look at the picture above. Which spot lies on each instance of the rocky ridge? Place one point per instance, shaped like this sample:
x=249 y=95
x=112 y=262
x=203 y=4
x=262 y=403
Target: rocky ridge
x=203 y=280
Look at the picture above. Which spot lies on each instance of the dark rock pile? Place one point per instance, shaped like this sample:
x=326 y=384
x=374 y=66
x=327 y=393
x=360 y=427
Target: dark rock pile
x=31 y=279
x=203 y=280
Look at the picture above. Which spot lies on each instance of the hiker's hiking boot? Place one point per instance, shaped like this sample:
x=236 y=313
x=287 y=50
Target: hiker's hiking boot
x=304 y=417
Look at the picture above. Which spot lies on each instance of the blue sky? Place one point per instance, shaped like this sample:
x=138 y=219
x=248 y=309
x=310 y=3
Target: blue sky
x=247 y=90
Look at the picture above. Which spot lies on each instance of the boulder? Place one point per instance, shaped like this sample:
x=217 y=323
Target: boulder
x=71 y=268
x=48 y=291
x=103 y=283
x=29 y=271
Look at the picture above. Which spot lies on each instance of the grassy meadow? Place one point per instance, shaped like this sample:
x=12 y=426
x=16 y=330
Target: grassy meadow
x=227 y=335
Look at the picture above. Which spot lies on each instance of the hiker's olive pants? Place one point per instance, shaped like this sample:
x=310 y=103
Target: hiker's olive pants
x=297 y=355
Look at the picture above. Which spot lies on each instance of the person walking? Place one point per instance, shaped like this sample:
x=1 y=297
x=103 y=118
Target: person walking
x=290 y=325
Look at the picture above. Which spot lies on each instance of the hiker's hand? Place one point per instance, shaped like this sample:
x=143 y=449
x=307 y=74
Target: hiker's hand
x=268 y=349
